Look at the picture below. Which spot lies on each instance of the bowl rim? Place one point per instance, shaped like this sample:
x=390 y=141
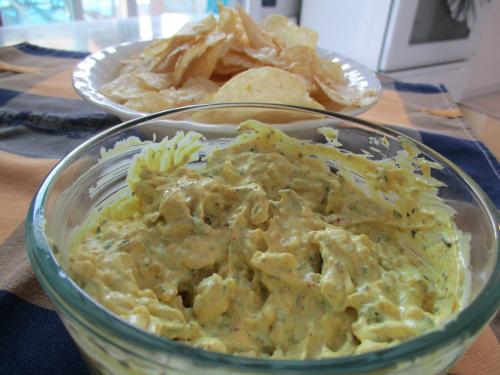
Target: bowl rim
x=74 y=302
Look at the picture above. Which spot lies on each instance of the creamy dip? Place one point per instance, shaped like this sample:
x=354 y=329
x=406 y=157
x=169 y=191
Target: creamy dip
x=275 y=247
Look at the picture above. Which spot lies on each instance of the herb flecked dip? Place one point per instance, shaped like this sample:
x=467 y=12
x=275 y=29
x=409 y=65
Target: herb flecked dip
x=275 y=247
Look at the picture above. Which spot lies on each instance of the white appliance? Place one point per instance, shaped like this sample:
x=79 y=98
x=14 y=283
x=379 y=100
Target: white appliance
x=260 y=9
x=424 y=41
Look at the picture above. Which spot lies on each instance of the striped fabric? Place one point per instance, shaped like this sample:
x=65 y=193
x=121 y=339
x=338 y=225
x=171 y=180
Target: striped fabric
x=42 y=118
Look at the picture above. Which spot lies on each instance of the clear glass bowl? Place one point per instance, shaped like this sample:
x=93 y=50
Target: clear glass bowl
x=81 y=183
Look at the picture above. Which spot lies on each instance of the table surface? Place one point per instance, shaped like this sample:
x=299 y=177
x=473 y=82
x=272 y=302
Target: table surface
x=94 y=36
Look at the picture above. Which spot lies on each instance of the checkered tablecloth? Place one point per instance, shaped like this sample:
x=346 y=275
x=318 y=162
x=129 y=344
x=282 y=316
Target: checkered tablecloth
x=42 y=118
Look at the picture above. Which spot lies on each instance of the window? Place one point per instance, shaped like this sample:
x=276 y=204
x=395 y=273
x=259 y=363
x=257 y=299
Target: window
x=25 y=12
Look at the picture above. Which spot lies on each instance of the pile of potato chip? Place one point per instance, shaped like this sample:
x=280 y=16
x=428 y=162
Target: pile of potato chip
x=233 y=59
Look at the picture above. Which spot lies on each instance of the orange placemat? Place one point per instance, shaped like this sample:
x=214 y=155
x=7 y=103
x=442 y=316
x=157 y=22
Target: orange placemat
x=42 y=118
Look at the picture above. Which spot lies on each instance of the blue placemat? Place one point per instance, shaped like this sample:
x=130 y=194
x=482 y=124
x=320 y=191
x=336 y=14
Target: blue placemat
x=38 y=123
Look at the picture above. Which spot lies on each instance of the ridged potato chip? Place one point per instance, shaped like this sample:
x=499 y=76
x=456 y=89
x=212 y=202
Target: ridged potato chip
x=190 y=31
x=235 y=62
x=230 y=22
x=257 y=38
x=126 y=86
x=193 y=91
x=168 y=63
x=265 y=55
x=204 y=66
x=266 y=84
x=154 y=81
x=193 y=53
x=201 y=84
x=287 y=33
x=149 y=102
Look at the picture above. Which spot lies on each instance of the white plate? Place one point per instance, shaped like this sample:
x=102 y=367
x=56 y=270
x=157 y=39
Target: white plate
x=102 y=67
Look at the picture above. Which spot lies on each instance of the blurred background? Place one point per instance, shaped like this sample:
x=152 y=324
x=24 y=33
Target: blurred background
x=452 y=42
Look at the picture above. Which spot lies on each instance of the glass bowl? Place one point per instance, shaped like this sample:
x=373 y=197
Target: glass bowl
x=82 y=182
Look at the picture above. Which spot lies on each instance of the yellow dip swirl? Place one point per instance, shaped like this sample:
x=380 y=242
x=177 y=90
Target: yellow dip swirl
x=275 y=247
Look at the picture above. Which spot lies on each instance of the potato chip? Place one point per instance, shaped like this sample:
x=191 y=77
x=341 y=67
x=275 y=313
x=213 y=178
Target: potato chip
x=230 y=23
x=235 y=62
x=333 y=71
x=124 y=87
x=205 y=26
x=256 y=37
x=222 y=71
x=154 y=81
x=149 y=102
x=204 y=65
x=300 y=60
x=167 y=64
x=134 y=66
x=304 y=61
x=266 y=55
x=164 y=60
x=184 y=96
x=183 y=63
x=193 y=91
x=164 y=47
x=266 y=84
x=188 y=32
x=193 y=53
x=287 y=33
x=240 y=59
x=170 y=49
x=201 y=84
x=346 y=96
